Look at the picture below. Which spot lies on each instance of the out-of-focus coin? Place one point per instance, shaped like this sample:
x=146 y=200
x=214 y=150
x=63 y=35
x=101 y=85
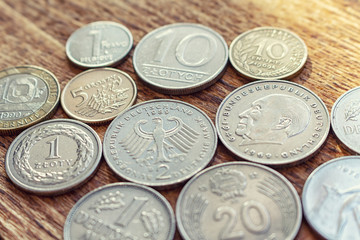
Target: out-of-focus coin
x=28 y=95
x=181 y=58
x=121 y=211
x=273 y=122
x=53 y=157
x=238 y=200
x=160 y=143
x=332 y=207
x=98 y=95
x=99 y=44
x=268 y=53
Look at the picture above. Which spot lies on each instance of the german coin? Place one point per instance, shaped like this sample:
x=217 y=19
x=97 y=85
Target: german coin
x=332 y=207
x=160 y=143
x=181 y=58
x=53 y=157
x=238 y=200
x=98 y=95
x=121 y=211
x=28 y=95
x=273 y=122
x=99 y=44
x=268 y=53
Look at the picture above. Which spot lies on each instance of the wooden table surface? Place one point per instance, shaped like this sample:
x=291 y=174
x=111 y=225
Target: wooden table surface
x=35 y=33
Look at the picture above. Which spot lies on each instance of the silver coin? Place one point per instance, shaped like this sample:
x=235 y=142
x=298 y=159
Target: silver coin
x=331 y=199
x=238 y=200
x=99 y=44
x=121 y=211
x=53 y=157
x=181 y=58
x=273 y=122
x=160 y=143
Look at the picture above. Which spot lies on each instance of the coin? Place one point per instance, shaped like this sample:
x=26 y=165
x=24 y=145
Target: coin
x=181 y=58
x=268 y=53
x=121 y=211
x=273 y=122
x=160 y=143
x=53 y=157
x=99 y=44
x=98 y=95
x=28 y=95
x=238 y=200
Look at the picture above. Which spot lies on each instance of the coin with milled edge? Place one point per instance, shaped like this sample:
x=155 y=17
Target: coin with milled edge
x=181 y=58
x=238 y=200
x=28 y=95
x=98 y=95
x=268 y=53
x=99 y=44
x=53 y=157
x=160 y=143
x=121 y=211
x=273 y=122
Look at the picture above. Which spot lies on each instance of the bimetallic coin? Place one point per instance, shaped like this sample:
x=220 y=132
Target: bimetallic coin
x=99 y=44
x=53 y=157
x=98 y=95
x=268 y=53
x=181 y=58
x=28 y=95
x=160 y=143
x=121 y=211
x=238 y=200
x=273 y=122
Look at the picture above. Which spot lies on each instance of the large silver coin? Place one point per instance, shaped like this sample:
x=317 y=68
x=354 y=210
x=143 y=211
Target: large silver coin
x=160 y=143
x=238 y=200
x=273 y=122
x=53 y=157
x=181 y=58
x=121 y=211
x=331 y=199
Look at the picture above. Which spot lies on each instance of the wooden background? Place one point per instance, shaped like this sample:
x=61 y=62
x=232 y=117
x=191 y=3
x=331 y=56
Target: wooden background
x=35 y=32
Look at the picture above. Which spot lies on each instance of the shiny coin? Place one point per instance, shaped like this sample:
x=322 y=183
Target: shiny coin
x=238 y=200
x=160 y=143
x=121 y=211
x=268 y=53
x=273 y=122
x=28 y=95
x=99 y=44
x=181 y=58
x=98 y=95
x=53 y=157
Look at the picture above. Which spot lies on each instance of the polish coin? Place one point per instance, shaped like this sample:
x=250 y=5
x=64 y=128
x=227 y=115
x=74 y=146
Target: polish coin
x=181 y=58
x=53 y=157
x=28 y=95
x=273 y=122
x=238 y=200
x=121 y=211
x=268 y=53
x=98 y=95
x=331 y=199
x=160 y=143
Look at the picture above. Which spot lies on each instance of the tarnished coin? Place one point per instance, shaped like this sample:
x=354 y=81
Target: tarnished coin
x=273 y=122
x=238 y=200
x=268 y=53
x=98 y=95
x=181 y=58
x=121 y=211
x=99 y=44
x=160 y=143
x=331 y=199
x=53 y=157
x=28 y=95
